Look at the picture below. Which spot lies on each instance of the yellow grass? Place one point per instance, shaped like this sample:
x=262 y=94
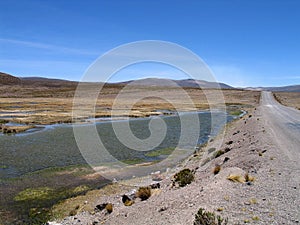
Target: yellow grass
x=236 y=178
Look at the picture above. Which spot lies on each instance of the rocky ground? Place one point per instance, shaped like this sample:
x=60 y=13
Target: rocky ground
x=268 y=195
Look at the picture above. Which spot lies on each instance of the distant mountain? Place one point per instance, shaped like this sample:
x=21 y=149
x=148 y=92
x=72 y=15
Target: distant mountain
x=173 y=83
x=7 y=79
x=291 y=88
x=48 y=82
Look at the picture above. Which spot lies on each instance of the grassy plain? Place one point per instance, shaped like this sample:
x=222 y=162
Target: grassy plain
x=49 y=105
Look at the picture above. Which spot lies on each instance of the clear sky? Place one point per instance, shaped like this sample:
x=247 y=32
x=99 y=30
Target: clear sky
x=245 y=43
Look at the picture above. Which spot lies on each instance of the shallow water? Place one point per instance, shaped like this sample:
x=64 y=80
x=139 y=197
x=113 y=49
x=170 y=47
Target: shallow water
x=55 y=145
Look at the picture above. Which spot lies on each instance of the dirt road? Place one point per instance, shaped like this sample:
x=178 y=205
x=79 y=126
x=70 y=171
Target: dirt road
x=284 y=123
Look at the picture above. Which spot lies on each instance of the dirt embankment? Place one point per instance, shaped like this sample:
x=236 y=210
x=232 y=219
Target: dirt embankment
x=253 y=185
x=290 y=99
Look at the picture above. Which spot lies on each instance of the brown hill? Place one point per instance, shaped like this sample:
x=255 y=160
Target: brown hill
x=7 y=79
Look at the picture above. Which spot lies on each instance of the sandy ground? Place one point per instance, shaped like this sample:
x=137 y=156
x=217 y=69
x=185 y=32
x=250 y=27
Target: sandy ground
x=272 y=198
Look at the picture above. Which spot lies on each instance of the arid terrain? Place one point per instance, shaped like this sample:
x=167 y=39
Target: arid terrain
x=290 y=99
x=250 y=179
x=264 y=192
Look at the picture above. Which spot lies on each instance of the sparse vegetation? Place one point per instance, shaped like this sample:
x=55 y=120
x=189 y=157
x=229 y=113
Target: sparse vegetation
x=208 y=218
x=219 y=153
x=109 y=208
x=133 y=161
x=235 y=112
x=211 y=150
x=184 y=177
x=253 y=201
x=3 y=166
x=216 y=169
x=249 y=178
x=164 y=151
x=205 y=161
x=143 y=193
x=236 y=178
x=255 y=218
x=34 y=194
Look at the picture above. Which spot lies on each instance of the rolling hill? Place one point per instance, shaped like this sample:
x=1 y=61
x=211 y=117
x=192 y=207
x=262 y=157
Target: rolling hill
x=7 y=79
x=173 y=83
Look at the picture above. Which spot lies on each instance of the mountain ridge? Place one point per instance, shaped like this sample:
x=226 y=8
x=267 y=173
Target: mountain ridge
x=8 y=79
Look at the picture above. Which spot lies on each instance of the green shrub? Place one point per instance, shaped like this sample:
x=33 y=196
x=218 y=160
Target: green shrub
x=211 y=150
x=219 y=153
x=184 y=177
x=208 y=218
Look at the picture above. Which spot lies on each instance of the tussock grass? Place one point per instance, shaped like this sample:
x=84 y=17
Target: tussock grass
x=216 y=169
x=249 y=178
x=253 y=201
x=236 y=178
x=143 y=193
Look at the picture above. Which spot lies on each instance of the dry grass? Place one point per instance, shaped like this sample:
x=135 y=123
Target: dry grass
x=253 y=201
x=249 y=178
x=236 y=178
x=48 y=105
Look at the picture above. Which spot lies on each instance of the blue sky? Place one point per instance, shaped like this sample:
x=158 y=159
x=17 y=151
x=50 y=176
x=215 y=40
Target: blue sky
x=245 y=43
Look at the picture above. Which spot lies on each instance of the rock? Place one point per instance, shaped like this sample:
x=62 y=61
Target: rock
x=226 y=159
x=227 y=149
x=162 y=209
x=236 y=132
x=100 y=207
x=127 y=201
x=157 y=176
x=229 y=142
x=155 y=186
x=114 y=181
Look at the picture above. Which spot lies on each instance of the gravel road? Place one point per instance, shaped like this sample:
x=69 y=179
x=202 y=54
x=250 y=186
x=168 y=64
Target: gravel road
x=284 y=123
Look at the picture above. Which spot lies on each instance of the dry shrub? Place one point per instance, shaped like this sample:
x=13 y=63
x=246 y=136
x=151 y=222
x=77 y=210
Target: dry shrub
x=143 y=193
x=249 y=178
x=236 y=178
x=109 y=208
x=184 y=177
x=253 y=201
x=208 y=218
x=217 y=169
